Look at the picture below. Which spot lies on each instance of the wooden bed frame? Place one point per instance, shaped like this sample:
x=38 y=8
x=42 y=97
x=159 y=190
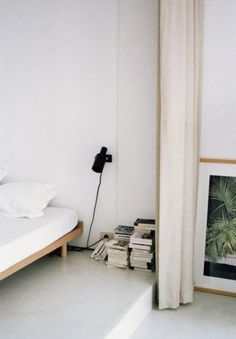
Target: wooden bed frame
x=61 y=242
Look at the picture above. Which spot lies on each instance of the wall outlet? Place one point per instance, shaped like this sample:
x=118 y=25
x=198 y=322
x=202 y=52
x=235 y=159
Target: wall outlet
x=109 y=234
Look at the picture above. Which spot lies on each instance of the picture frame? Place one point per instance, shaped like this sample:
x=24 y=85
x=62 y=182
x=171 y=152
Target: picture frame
x=214 y=257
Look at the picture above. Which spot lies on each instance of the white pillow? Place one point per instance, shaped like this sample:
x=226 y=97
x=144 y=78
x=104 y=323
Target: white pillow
x=25 y=199
x=3 y=172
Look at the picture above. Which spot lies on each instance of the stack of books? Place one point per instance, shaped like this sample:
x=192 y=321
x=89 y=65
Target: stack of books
x=100 y=252
x=123 y=232
x=142 y=245
x=117 y=253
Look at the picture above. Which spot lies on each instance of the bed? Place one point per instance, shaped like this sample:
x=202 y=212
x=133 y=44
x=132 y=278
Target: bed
x=24 y=240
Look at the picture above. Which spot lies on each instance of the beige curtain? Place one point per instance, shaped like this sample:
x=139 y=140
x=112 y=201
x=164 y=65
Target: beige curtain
x=179 y=36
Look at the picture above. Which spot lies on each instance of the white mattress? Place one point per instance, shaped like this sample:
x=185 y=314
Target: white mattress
x=21 y=237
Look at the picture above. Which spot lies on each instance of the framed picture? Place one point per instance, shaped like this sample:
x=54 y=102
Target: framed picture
x=215 y=242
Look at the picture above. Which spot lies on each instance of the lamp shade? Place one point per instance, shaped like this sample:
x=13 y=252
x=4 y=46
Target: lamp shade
x=100 y=160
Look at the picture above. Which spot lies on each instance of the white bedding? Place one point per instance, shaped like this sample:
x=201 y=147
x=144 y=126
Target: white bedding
x=21 y=237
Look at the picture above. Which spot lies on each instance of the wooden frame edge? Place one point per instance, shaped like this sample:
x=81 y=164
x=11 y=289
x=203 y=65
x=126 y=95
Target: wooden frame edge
x=226 y=162
x=219 y=292
x=218 y=161
x=61 y=242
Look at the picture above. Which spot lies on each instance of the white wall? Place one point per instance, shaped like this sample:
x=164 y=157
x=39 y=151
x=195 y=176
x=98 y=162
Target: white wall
x=76 y=75
x=219 y=80
x=137 y=109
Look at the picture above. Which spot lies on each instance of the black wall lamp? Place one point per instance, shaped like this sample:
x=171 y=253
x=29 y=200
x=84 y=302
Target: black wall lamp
x=98 y=166
x=100 y=160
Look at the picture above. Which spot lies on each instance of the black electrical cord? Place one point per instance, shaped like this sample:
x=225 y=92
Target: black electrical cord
x=79 y=249
x=94 y=210
x=88 y=247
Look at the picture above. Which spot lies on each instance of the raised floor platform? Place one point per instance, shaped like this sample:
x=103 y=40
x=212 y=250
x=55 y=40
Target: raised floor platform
x=210 y=316
x=74 y=297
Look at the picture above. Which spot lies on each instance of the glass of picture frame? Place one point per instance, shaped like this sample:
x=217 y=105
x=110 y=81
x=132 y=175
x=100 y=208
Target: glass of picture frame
x=215 y=237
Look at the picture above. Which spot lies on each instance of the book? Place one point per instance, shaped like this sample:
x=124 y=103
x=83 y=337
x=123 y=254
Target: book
x=124 y=229
x=118 y=253
x=135 y=259
x=145 y=237
x=138 y=264
x=117 y=261
x=145 y=223
x=142 y=264
x=117 y=257
x=100 y=251
x=102 y=255
x=116 y=244
x=142 y=253
x=121 y=237
x=141 y=247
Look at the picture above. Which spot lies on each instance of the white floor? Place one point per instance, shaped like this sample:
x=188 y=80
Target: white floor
x=75 y=297
x=81 y=298
x=209 y=317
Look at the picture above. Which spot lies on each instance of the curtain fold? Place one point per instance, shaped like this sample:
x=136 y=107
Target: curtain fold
x=179 y=44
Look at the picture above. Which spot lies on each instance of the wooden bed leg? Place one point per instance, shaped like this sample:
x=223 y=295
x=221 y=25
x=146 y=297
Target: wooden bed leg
x=64 y=250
